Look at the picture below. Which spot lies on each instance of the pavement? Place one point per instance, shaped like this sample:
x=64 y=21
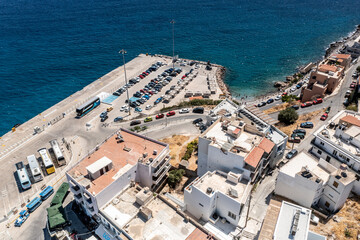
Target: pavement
x=15 y=146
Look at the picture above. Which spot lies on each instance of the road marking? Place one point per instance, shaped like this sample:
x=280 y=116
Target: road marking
x=50 y=113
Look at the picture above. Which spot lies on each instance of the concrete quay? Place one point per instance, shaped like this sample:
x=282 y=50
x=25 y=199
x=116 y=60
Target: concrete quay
x=15 y=146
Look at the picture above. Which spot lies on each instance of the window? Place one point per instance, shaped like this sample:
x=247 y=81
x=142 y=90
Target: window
x=201 y=205
x=322 y=143
x=334 y=152
x=319 y=152
x=328 y=158
x=327 y=204
x=331 y=195
x=233 y=216
x=335 y=184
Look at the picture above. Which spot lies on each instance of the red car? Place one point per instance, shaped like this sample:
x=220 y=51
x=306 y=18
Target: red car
x=159 y=116
x=145 y=73
x=151 y=92
x=306 y=104
x=142 y=90
x=183 y=77
x=324 y=117
x=352 y=85
x=141 y=76
x=317 y=101
x=284 y=94
x=171 y=113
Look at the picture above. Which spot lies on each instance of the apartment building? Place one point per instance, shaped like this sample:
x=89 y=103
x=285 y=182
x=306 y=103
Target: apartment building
x=285 y=221
x=309 y=183
x=124 y=158
x=324 y=79
x=240 y=142
x=217 y=196
x=338 y=142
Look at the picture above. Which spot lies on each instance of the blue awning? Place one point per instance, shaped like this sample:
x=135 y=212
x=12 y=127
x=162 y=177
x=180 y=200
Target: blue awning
x=104 y=234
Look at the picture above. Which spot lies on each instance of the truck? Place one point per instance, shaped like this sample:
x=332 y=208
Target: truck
x=24 y=214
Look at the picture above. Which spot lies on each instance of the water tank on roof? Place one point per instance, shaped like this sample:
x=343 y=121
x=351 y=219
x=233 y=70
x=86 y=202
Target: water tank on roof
x=209 y=190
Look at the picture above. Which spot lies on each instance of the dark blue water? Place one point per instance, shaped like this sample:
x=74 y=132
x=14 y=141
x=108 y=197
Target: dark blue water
x=50 y=49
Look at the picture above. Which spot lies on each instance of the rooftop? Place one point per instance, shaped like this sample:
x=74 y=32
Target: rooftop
x=327 y=68
x=352 y=129
x=293 y=222
x=217 y=181
x=254 y=157
x=165 y=223
x=123 y=155
x=341 y=56
x=317 y=169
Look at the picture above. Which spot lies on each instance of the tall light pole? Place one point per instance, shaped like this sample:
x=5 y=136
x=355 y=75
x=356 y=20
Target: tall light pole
x=173 y=35
x=122 y=51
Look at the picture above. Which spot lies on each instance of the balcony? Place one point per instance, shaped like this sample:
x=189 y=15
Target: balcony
x=156 y=180
x=160 y=158
x=161 y=166
x=78 y=196
x=74 y=187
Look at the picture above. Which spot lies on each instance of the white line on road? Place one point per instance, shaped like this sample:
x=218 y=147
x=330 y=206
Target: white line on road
x=50 y=113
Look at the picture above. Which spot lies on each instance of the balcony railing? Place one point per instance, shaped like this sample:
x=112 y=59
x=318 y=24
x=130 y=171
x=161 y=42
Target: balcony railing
x=158 y=179
x=161 y=166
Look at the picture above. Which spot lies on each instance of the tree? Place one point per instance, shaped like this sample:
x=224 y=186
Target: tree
x=358 y=69
x=288 y=116
x=175 y=177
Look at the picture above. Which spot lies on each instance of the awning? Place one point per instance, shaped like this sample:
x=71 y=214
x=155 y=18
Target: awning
x=103 y=233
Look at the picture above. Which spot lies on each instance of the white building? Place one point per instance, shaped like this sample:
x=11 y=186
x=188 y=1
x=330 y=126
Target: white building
x=339 y=142
x=217 y=196
x=123 y=158
x=314 y=183
x=285 y=221
x=244 y=142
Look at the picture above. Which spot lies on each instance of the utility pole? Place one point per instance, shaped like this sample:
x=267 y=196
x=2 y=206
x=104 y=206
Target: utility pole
x=173 y=35
x=122 y=51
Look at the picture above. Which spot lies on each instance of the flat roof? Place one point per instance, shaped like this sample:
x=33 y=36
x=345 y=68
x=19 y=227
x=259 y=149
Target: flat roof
x=292 y=216
x=217 y=181
x=296 y=165
x=270 y=220
x=164 y=224
x=126 y=153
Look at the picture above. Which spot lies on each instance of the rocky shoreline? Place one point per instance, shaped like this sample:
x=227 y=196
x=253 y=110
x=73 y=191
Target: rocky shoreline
x=220 y=75
x=333 y=47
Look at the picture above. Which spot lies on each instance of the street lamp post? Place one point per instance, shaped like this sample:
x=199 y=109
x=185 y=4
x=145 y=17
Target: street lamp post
x=173 y=35
x=122 y=51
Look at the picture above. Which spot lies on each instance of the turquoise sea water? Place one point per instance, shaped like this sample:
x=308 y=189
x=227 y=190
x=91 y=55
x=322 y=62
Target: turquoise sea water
x=50 y=49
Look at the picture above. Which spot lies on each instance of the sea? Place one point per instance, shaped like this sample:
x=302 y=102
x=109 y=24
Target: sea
x=51 y=49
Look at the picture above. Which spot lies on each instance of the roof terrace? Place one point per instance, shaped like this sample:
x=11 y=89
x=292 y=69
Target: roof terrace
x=114 y=157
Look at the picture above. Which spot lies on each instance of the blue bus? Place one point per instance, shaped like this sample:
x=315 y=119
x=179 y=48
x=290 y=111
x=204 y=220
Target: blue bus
x=88 y=106
x=46 y=193
x=34 y=204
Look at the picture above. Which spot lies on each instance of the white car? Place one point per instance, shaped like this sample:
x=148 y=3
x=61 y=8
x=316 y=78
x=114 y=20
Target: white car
x=184 y=110
x=278 y=97
x=293 y=89
x=148 y=107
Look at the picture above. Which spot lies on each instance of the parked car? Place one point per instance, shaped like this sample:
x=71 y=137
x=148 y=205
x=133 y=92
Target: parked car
x=293 y=89
x=306 y=104
x=148 y=107
x=291 y=154
x=348 y=93
x=294 y=140
x=270 y=101
x=198 y=110
x=346 y=102
x=307 y=125
x=303 y=131
x=148 y=119
x=103 y=114
x=118 y=119
x=317 y=101
x=261 y=104
x=300 y=135
x=296 y=107
x=159 y=116
x=137 y=109
x=352 y=85
x=171 y=113
x=198 y=120
x=103 y=119
x=184 y=110
x=278 y=97
x=324 y=117
x=135 y=122
x=327 y=110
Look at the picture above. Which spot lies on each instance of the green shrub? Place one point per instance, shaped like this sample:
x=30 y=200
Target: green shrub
x=175 y=177
x=288 y=116
x=352 y=107
x=192 y=103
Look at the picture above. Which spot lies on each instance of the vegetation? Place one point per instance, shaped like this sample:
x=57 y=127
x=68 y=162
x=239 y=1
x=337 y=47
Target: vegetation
x=236 y=102
x=138 y=129
x=347 y=233
x=175 y=177
x=193 y=145
x=289 y=98
x=352 y=107
x=192 y=103
x=288 y=116
x=358 y=69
